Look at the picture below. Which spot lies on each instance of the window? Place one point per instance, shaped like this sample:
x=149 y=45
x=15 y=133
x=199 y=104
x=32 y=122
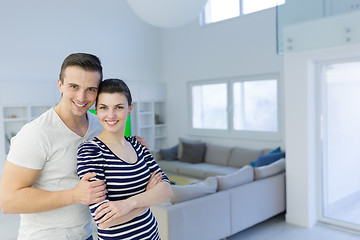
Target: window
x=244 y=106
x=255 y=105
x=209 y=106
x=219 y=10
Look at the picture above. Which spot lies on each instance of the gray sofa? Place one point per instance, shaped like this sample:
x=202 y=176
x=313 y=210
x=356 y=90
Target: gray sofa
x=230 y=196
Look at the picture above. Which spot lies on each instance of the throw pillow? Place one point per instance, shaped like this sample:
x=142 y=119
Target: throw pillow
x=241 y=176
x=188 y=192
x=266 y=159
x=218 y=155
x=270 y=170
x=253 y=163
x=193 y=152
x=240 y=157
x=276 y=150
x=180 y=149
x=169 y=153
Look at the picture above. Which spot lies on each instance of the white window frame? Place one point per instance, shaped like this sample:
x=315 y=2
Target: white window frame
x=203 y=131
x=203 y=14
x=230 y=132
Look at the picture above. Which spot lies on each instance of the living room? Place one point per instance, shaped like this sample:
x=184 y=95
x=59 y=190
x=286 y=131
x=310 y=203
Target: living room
x=37 y=35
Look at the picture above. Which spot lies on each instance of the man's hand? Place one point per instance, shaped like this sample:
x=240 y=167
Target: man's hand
x=142 y=141
x=88 y=192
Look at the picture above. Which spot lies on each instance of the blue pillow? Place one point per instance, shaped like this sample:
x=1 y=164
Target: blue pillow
x=267 y=159
x=276 y=150
x=253 y=163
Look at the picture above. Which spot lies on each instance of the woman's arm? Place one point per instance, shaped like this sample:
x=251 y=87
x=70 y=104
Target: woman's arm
x=154 y=195
x=118 y=212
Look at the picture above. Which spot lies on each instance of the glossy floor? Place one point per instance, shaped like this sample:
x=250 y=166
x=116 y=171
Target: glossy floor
x=274 y=228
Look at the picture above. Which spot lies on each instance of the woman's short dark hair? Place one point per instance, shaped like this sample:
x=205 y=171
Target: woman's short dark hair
x=114 y=85
x=86 y=61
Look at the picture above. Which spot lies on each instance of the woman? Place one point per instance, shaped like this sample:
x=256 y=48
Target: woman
x=133 y=179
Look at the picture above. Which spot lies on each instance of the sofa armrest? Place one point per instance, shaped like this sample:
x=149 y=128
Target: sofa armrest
x=187 y=220
x=257 y=201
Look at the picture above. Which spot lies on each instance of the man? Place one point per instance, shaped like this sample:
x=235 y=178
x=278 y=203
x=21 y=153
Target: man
x=39 y=178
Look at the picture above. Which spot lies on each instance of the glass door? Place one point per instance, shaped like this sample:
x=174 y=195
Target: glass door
x=339 y=99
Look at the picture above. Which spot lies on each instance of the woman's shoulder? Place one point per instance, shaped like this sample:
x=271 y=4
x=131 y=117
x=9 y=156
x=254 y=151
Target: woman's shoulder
x=132 y=140
x=94 y=143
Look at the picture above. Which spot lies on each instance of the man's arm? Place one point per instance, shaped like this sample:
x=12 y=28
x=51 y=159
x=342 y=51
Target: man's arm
x=18 y=196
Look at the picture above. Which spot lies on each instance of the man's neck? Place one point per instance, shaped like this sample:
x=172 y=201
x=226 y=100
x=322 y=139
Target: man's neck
x=77 y=124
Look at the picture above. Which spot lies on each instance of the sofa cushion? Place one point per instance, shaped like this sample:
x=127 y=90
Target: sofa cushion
x=193 y=152
x=219 y=171
x=188 y=192
x=171 y=166
x=197 y=170
x=169 y=153
x=218 y=155
x=270 y=170
x=241 y=176
x=240 y=157
x=180 y=148
x=267 y=159
x=204 y=170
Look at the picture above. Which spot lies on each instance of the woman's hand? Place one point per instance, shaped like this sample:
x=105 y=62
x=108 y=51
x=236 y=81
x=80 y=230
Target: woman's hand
x=154 y=179
x=113 y=209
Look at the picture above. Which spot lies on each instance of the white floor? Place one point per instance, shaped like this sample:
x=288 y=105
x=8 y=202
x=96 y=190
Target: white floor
x=277 y=228
x=346 y=209
x=274 y=228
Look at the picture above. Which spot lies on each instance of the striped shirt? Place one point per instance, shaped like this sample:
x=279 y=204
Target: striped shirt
x=123 y=180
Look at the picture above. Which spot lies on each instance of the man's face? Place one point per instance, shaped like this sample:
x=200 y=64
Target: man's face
x=79 y=89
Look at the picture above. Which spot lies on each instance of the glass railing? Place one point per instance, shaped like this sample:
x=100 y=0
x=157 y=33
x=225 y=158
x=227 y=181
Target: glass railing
x=307 y=15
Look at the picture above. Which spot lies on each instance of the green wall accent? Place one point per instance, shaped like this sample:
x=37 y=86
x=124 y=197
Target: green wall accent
x=128 y=124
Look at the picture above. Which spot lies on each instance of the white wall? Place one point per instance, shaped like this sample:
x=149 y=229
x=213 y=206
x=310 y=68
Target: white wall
x=237 y=47
x=302 y=149
x=37 y=35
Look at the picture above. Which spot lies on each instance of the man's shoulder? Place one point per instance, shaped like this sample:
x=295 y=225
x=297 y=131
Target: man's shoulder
x=94 y=124
x=45 y=119
x=37 y=125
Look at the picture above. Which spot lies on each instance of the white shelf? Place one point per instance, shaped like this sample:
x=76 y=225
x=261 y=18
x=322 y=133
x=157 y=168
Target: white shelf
x=15 y=119
x=146 y=126
x=160 y=137
x=148 y=121
x=12 y=119
x=146 y=113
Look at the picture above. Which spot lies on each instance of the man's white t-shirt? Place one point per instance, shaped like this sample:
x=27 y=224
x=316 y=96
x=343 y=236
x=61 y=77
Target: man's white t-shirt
x=48 y=144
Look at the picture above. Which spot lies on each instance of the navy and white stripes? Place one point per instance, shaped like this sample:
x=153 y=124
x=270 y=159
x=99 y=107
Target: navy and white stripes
x=123 y=180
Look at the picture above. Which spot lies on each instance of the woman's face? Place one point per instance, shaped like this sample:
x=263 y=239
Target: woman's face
x=112 y=110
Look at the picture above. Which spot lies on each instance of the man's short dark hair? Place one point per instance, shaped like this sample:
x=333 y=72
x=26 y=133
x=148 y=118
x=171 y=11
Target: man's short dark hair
x=86 y=61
